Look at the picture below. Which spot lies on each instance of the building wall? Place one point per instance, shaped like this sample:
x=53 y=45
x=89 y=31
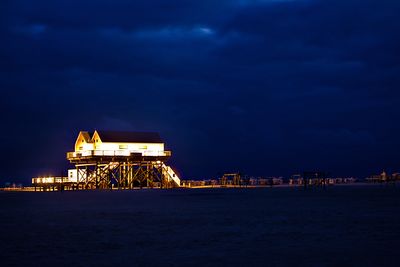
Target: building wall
x=113 y=146
x=97 y=144
x=133 y=147
x=72 y=175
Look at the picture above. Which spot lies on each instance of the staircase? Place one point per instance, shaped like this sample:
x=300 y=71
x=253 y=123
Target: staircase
x=171 y=175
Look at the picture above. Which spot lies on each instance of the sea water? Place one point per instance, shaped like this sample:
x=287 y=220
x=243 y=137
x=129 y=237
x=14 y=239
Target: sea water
x=336 y=226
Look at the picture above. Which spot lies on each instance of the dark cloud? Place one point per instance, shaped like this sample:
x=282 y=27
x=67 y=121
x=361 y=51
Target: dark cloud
x=264 y=87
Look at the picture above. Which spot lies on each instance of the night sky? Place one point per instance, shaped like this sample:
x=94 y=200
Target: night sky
x=264 y=87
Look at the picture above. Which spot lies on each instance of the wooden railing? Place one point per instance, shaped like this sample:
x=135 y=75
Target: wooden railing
x=50 y=180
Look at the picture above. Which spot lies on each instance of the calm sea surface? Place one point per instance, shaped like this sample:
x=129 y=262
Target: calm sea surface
x=339 y=226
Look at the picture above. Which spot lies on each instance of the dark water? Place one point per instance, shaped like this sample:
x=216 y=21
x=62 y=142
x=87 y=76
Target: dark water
x=341 y=226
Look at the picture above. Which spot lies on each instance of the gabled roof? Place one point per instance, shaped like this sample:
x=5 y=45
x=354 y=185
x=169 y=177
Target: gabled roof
x=86 y=136
x=129 y=137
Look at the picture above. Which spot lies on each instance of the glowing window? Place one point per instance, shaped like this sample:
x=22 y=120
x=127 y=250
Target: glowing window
x=123 y=146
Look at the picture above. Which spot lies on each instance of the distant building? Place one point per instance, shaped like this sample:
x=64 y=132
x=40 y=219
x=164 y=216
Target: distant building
x=383 y=177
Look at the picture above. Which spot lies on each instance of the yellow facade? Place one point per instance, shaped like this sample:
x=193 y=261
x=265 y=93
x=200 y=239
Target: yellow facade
x=83 y=144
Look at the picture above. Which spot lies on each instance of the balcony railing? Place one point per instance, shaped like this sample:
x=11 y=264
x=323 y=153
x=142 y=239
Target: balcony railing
x=50 y=180
x=113 y=153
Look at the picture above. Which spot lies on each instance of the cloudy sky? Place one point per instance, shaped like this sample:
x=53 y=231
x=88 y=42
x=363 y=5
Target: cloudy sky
x=265 y=87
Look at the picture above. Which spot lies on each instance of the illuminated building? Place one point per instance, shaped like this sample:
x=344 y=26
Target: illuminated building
x=111 y=159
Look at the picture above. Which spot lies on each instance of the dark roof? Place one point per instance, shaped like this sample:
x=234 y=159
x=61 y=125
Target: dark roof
x=86 y=136
x=129 y=137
